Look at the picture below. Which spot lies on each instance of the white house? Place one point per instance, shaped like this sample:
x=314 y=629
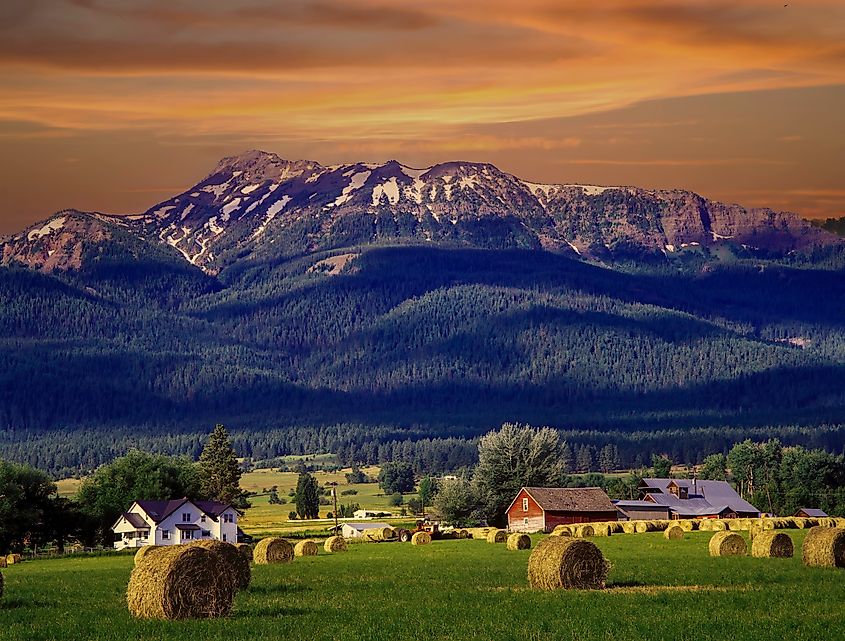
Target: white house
x=174 y=522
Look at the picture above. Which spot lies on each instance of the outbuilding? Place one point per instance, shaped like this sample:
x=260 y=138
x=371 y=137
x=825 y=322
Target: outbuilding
x=811 y=513
x=541 y=509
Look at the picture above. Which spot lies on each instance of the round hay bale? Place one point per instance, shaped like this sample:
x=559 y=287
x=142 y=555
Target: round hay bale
x=755 y=529
x=584 y=531
x=659 y=526
x=2 y=562
x=734 y=525
x=602 y=529
x=673 y=533
x=424 y=538
x=643 y=526
x=234 y=563
x=11 y=559
x=335 y=544
x=824 y=547
x=463 y=534
x=180 y=582
x=767 y=524
x=519 y=541
x=800 y=523
x=771 y=544
x=687 y=525
x=272 y=550
x=378 y=534
x=562 y=530
x=145 y=551
x=705 y=525
x=718 y=525
x=558 y=562
x=497 y=536
x=726 y=543
x=629 y=527
x=305 y=548
x=246 y=549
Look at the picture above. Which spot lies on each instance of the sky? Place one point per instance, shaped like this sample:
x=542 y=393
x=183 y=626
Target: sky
x=115 y=105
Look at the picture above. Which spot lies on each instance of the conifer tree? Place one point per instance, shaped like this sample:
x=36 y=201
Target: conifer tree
x=220 y=474
x=307 y=497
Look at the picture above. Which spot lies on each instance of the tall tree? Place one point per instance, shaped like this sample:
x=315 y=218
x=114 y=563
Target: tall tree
x=513 y=457
x=25 y=497
x=714 y=468
x=307 y=497
x=427 y=490
x=396 y=477
x=661 y=466
x=220 y=474
x=456 y=502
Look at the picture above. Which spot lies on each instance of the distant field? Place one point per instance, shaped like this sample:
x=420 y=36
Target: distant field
x=68 y=487
x=456 y=590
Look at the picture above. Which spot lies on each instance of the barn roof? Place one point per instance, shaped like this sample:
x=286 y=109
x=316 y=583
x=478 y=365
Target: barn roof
x=571 y=499
x=715 y=493
x=160 y=510
x=812 y=512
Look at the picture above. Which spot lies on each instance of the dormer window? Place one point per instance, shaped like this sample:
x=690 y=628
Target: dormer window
x=202 y=518
x=186 y=517
x=673 y=490
x=684 y=493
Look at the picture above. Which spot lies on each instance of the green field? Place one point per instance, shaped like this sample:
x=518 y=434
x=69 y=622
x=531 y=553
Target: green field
x=455 y=590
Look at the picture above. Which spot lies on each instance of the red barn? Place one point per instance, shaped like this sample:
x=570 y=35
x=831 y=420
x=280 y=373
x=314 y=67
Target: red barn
x=540 y=509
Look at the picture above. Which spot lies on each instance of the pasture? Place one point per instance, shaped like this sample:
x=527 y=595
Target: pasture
x=657 y=589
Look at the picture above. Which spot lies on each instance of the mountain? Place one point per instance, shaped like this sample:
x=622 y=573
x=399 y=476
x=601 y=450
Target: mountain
x=259 y=206
x=364 y=309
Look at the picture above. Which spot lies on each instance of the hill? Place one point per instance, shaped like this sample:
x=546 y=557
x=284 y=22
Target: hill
x=313 y=341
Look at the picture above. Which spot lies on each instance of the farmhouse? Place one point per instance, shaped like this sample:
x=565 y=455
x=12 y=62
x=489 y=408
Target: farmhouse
x=691 y=499
x=174 y=522
x=540 y=509
x=370 y=514
x=811 y=513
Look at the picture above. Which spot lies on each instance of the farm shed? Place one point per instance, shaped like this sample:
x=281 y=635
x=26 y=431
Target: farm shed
x=541 y=509
x=643 y=511
x=356 y=530
x=811 y=513
x=693 y=498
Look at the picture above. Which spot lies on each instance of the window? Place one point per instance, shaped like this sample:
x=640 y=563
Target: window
x=228 y=517
x=206 y=533
x=524 y=505
x=186 y=517
x=202 y=518
x=525 y=521
x=165 y=535
x=224 y=537
x=187 y=535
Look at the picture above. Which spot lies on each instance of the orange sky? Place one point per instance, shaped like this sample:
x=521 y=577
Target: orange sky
x=113 y=105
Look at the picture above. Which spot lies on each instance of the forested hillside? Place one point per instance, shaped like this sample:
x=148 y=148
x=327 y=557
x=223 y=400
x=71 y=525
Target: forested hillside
x=347 y=351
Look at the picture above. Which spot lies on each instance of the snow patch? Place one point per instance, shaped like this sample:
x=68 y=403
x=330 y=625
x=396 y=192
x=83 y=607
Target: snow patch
x=213 y=226
x=719 y=236
x=410 y=172
x=161 y=212
x=468 y=182
x=249 y=189
x=590 y=190
x=274 y=209
x=389 y=189
x=670 y=248
x=54 y=225
x=230 y=207
x=356 y=182
x=186 y=211
x=537 y=188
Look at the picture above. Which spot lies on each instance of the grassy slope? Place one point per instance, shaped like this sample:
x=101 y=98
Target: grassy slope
x=452 y=589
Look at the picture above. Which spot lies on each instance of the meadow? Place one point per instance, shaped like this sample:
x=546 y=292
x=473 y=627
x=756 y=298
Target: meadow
x=657 y=589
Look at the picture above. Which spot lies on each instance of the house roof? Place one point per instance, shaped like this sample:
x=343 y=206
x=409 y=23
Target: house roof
x=570 y=499
x=187 y=526
x=160 y=510
x=643 y=504
x=813 y=512
x=715 y=493
x=369 y=525
x=135 y=520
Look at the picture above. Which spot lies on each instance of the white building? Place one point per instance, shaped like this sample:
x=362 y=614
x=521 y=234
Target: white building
x=174 y=522
x=370 y=514
x=356 y=530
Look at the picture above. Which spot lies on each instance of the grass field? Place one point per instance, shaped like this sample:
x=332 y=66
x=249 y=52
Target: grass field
x=453 y=590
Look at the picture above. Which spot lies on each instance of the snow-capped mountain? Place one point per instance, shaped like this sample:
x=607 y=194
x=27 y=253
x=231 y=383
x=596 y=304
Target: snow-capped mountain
x=260 y=206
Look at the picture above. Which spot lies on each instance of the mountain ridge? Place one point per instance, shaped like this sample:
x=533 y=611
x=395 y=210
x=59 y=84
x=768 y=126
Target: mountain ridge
x=258 y=205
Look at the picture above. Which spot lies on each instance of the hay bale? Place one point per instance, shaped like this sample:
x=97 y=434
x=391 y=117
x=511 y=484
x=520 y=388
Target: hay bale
x=673 y=533
x=659 y=526
x=180 y=582
x=246 y=549
x=424 y=538
x=602 y=529
x=305 y=548
x=824 y=547
x=801 y=524
x=496 y=536
x=235 y=564
x=378 y=534
x=145 y=551
x=705 y=525
x=272 y=550
x=734 y=525
x=629 y=527
x=2 y=562
x=641 y=527
x=562 y=530
x=771 y=544
x=725 y=543
x=11 y=559
x=687 y=525
x=519 y=542
x=583 y=531
x=335 y=544
x=756 y=529
x=558 y=562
